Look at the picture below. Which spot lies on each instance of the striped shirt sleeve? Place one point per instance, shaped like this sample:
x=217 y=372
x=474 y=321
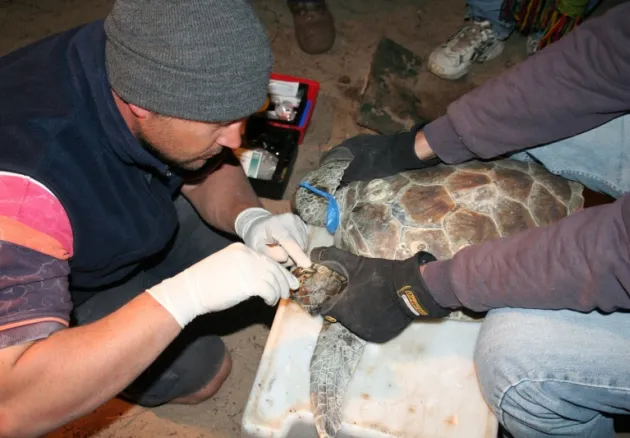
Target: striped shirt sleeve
x=35 y=246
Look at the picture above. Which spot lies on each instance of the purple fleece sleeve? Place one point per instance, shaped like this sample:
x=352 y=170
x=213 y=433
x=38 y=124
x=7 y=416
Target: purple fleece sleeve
x=581 y=262
x=571 y=86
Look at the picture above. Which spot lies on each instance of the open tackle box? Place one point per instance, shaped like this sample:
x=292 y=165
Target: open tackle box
x=271 y=136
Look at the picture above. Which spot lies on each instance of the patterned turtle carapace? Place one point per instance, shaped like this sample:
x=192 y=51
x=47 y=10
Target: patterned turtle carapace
x=442 y=210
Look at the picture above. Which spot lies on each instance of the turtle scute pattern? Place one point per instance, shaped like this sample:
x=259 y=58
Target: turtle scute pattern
x=446 y=208
x=335 y=359
x=441 y=210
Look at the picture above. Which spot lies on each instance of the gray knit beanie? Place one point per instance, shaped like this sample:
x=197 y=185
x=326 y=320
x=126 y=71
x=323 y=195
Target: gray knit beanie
x=205 y=60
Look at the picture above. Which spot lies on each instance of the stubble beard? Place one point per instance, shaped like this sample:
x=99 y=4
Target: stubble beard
x=191 y=165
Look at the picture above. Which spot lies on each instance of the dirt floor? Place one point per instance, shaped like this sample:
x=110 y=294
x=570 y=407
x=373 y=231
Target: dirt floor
x=419 y=25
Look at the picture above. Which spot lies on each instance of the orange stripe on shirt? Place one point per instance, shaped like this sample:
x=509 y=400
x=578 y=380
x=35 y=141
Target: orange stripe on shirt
x=18 y=233
x=33 y=321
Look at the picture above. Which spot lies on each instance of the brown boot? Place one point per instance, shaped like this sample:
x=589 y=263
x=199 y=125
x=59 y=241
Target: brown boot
x=313 y=24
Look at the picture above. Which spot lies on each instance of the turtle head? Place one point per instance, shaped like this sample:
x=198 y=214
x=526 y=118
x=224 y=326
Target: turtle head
x=312 y=207
x=318 y=285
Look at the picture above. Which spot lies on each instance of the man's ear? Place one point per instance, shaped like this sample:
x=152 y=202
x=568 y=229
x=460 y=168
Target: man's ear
x=139 y=112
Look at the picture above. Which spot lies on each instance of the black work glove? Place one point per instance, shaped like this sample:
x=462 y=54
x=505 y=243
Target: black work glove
x=379 y=156
x=382 y=297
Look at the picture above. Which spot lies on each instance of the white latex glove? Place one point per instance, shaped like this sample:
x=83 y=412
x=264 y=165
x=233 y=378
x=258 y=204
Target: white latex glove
x=283 y=237
x=223 y=280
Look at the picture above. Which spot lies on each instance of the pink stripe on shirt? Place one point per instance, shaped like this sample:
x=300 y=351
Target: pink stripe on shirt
x=31 y=203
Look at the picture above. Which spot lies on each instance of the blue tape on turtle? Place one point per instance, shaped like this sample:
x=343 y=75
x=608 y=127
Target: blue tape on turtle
x=332 y=209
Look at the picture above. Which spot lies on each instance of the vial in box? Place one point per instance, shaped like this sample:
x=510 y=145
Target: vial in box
x=257 y=163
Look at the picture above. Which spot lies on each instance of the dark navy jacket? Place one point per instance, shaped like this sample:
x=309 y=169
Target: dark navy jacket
x=59 y=125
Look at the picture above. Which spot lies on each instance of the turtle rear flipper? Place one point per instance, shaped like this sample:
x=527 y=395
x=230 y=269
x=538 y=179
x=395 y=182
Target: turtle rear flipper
x=335 y=359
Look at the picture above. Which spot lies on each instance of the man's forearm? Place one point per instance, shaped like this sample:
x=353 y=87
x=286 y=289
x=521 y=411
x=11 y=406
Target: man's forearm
x=422 y=147
x=222 y=195
x=571 y=86
x=73 y=371
x=581 y=263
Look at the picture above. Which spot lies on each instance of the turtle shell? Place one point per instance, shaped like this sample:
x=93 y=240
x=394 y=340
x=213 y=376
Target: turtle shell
x=448 y=207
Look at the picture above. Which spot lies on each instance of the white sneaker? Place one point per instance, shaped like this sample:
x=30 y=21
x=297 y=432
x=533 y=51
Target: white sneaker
x=473 y=42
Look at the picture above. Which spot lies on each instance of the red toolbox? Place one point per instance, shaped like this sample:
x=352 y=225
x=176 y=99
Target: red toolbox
x=280 y=137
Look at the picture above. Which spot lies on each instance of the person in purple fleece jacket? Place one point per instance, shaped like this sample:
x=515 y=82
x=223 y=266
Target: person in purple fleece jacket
x=553 y=354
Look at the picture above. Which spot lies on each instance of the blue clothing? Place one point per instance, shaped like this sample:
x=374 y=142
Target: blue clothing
x=555 y=373
x=490 y=10
x=581 y=158
x=195 y=356
x=560 y=373
x=552 y=373
x=59 y=124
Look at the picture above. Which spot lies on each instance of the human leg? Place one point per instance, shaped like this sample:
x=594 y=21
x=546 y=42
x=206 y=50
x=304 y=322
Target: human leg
x=599 y=158
x=490 y=11
x=555 y=373
x=480 y=40
x=193 y=367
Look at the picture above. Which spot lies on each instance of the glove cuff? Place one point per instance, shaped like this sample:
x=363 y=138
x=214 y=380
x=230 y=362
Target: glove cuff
x=411 y=290
x=404 y=151
x=247 y=218
x=169 y=294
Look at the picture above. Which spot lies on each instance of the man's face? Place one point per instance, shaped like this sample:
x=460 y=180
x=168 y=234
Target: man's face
x=184 y=143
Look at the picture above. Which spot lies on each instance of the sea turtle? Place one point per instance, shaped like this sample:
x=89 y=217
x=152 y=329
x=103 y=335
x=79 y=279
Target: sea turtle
x=441 y=210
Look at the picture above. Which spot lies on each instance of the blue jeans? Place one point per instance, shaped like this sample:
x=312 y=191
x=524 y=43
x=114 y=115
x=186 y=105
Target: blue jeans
x=562 y=373
x=599 y=158
x=555 y=373
x=490 y=10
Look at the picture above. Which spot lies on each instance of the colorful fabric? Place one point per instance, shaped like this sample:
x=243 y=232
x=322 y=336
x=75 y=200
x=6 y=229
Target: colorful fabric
x=35 y=245
x=27 y=333
x=33 y=290
x=13 y=231
x=72 y=139
x=552 y=18
x=35 y=207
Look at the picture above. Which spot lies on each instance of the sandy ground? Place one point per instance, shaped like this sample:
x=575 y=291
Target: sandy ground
x=419 y=25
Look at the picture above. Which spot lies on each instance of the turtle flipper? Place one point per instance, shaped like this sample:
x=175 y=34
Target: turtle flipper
x=337 y=350
x=335 y=359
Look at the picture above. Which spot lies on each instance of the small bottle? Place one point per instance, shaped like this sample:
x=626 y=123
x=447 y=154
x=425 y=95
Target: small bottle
x=257 y=163
x=285 y=111
x=268 y=164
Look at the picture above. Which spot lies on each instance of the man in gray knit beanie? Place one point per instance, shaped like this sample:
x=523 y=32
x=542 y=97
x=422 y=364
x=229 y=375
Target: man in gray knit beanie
x=122 y=130
x=205 y=60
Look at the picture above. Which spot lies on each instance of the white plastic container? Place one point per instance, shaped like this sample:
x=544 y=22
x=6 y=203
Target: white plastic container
x=420 y=385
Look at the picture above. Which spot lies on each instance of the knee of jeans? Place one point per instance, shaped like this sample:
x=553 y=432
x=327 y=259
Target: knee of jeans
x=500 y=360
x=594 y=182
x=508 y=362
x=534 y=408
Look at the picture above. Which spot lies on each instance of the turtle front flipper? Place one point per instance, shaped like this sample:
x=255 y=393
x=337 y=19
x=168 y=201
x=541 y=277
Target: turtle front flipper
x=337 y=351
x=334 y=361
